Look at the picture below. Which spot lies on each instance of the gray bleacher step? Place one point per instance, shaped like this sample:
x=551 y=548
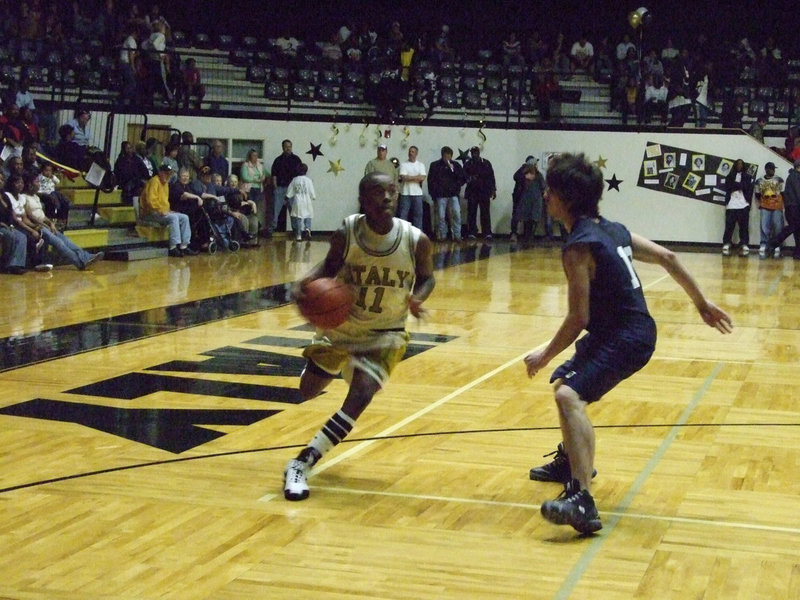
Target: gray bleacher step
x=135 y=252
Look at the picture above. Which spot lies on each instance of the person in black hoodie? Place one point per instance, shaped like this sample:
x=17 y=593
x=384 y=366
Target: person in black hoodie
x=738 y=195
x=445 y=178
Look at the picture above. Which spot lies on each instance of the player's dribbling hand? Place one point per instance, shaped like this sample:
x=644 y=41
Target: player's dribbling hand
x=715 y=317
x=535 y=361
x=415 y=307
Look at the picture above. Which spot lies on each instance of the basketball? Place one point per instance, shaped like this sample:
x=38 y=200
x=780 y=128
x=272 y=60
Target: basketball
x=325 y=302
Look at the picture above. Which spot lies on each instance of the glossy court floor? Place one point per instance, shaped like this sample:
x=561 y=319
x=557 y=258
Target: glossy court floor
x=147 y=410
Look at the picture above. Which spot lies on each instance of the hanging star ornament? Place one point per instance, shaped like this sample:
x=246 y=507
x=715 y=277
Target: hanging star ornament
x=335 y=167
x=613 y=183
x=315 y=151
x=601 y=162
x=463 y=155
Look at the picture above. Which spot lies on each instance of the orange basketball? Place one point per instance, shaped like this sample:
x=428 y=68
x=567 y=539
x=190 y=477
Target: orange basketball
x=326 y=302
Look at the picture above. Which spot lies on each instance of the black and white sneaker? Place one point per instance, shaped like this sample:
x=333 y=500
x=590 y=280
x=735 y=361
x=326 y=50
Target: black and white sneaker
x=557 y=470
x=574 y=507
x=295 y=484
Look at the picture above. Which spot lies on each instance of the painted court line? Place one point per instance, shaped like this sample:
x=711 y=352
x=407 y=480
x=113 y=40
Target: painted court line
x=536 y=507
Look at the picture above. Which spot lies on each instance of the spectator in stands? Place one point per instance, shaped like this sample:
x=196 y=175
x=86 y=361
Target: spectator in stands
x=68 y=151
x=110 y=26
x=733 y=111
x=244 y=211
x=13 y=166
x=284 y=168
x=627 y=69
x=331 y=50
x=145 y=168
x=252 y=178
x=652 y=65
x=655 y=99
x=288 y=45
x=157 y=63
x=154 y=208
x=535 y=48
x=445 y=178
x=771 y=64
x=29 y=123
x=383 y=165
x=24 y=98
x=443 y=51
x=511 y=49
x=154 y=150
x=412 y=175
x=80 y=127
x=126 y=171
x=64 y=247
x=17 y=218
x=13 y=240
x=757 y=128
x=631 y=101
x=560 y=57
x=738 y=195
x=582 y=55
x=187 y=155
x=668 y=55
x=128 y=57
x=546 y=92
x=190 y=85
x=183 y=196
x=171 y=159
x=679 y=97
x=480 y=191
x=603 y=61
x=30 y=160
x=154 y=17
x=216 y=159
x=395 y=38
x=56 y=205
x=12 y=128
x=623 y=47
x=703 y=90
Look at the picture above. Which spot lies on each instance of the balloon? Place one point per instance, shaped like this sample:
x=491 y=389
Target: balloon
x=634 y=18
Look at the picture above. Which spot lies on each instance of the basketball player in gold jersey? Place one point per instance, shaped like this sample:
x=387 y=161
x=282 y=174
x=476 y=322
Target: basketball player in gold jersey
x=389 y=264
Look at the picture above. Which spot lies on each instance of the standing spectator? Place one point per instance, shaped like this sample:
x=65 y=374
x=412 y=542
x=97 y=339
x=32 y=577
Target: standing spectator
x=382 y=164
x=738 y=194
x=24 y=98
x=125 y=170
x=516 y=194
x=768 y=191
x=285 y=167
x=582 y=55
x=155 y=208
x=412 y=175
x=216 y=159
x=251 y=181
x=445 y=178
x=80 y=127
x=757 y=128
x=127 y=67
x=190 y=85
x=791 y=203
x=187 y=155
x=703 y=101
x=481 y=190
x=531 y=200
x=157 y=63
x=302 y=195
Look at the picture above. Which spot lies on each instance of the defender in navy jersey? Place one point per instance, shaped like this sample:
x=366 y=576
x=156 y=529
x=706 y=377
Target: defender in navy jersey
x=605 y=298
x=389 y=264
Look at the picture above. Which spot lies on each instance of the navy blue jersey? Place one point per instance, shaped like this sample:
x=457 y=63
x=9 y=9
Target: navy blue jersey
x=617 y=307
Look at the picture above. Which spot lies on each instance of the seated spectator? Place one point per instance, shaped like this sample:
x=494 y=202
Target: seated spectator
x=535 y=48
x=582 y=55
x=68 y=151
x=171 y=158
x=24 y=98
x=13 y=166
x=631 y=100
x=13 y=241
x=145 y=168
x=512 y=50
x=13 y=130
x=29 y=123
x=182 y=197
x=64 y=247
x=244 y=211
x=154 y=17
x=623 y=47
x=56 y=205
x=560 y=59
x=190 y=85
x=216 y=160
x=154 y=208
x=288 y=45
x=668 y=55
x=13 y=208
x=652 y=65
x=30 y=160
x=125 y=170
x=331 y=50
x=80 y=128
x=655 y=99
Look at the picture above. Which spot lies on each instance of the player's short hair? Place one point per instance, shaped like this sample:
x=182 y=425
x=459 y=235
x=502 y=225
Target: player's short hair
x=577 y=182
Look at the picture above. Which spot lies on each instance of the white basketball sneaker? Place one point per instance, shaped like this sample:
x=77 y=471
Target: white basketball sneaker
x=295 y=485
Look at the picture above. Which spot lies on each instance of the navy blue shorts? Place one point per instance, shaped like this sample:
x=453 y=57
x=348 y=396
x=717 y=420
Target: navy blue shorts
x=596 y=368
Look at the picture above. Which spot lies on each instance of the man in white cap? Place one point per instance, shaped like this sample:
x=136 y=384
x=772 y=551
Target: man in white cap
x=382 y=164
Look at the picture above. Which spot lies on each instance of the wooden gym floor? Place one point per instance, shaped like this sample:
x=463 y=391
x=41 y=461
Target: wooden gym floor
x=147 y=410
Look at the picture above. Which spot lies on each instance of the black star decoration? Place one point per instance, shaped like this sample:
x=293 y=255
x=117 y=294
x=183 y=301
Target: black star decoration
x=613 y=183
x=315 y=151
x=463 y=155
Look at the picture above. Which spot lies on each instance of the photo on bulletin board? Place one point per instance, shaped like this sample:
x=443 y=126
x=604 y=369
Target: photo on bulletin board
x=691 y=181
x=650 y=168
x=698 y=162
x=671 y=181
x=752 y=170
x=724 y=167
x=669 y=160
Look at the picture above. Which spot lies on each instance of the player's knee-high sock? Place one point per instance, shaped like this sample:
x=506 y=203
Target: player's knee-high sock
x=333 y=432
